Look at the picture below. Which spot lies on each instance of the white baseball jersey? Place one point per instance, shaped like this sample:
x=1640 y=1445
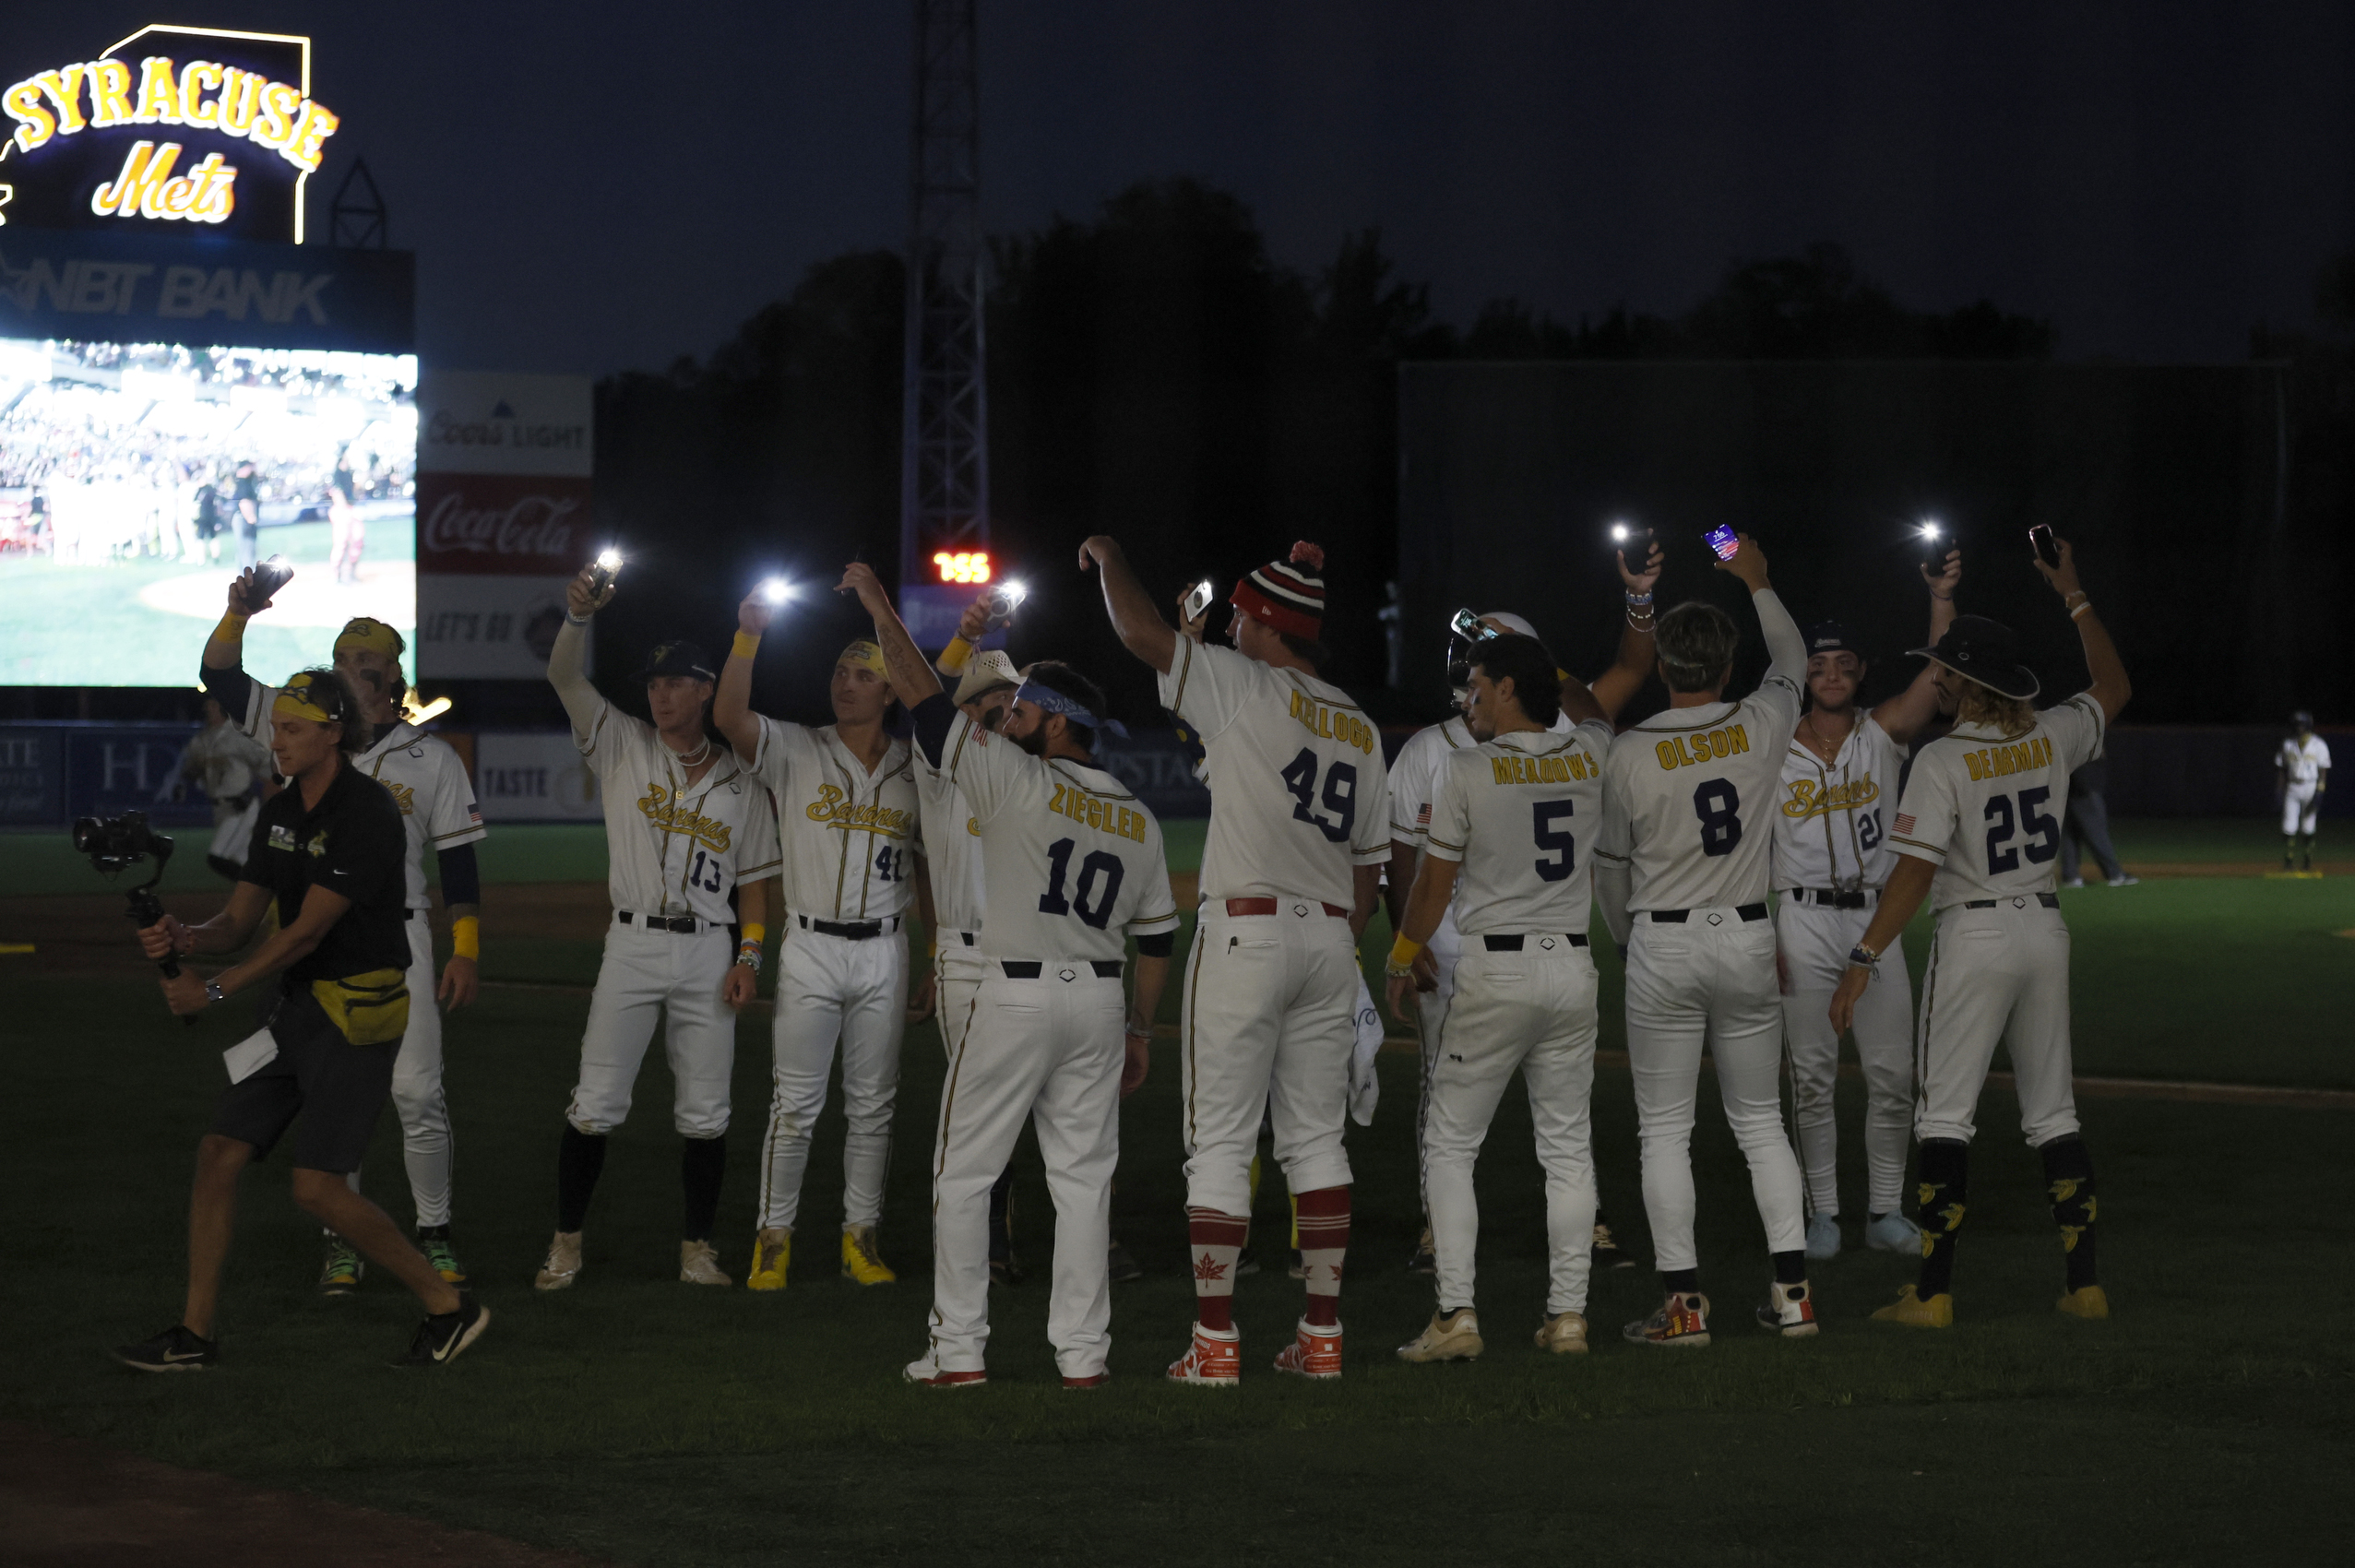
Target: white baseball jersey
x=1299 y=792
x=1986 y=809
x=1072 y=862
x=229 y=762
x=1831 y=821
x=849 y=835
x=1514 y=811
x=675 y=848
x=1689 y=794
x=952 y=848
x=2303 y=761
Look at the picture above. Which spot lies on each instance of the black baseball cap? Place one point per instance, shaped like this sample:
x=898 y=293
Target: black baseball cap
x=1985 y=651
x=1830 y=636
x=2303 y=719
x=678 y=659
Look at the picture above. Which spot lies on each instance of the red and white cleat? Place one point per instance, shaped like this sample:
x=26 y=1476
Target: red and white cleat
x=1314 y=1352
x=1683 y=1320
x=926 y=1373
x=1213 y=1360
x=1790 y=1311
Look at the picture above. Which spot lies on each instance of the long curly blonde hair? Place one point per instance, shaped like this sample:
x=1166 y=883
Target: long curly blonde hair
x=1985 y=706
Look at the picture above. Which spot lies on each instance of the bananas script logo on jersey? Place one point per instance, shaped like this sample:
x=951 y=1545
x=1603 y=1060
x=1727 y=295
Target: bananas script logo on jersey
x=1810 y=798
x=833 y=806
x=664 y=810
x=402 y=793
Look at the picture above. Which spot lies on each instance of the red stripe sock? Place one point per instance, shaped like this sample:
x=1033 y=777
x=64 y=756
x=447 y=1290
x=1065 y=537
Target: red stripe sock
x=1323 y=1241
x=1216 y=1241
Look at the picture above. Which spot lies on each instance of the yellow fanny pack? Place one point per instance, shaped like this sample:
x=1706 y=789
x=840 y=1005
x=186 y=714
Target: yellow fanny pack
x=369 y=1008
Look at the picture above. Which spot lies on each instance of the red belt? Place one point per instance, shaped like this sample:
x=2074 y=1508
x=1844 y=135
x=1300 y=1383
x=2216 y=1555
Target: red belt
x=1268 y=906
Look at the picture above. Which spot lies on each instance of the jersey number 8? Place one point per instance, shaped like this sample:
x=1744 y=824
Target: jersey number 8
x=1718 y=806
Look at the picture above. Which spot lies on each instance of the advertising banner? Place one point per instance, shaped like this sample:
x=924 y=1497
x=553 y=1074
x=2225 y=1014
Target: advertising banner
x=32 y=777
x=507 y=525
x=472 y=421
x=491 y=627
x=533 y=776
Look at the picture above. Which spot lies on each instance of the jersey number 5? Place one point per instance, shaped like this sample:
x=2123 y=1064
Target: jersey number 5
x=2045 y=833
x=1340 y=795
x=1100 y=876
x=1559 y=846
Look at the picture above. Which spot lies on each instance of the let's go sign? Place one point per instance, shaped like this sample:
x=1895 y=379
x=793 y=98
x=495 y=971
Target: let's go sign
x=171 y=126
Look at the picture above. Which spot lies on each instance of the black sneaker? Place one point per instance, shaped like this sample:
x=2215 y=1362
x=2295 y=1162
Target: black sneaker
x=1606 y=1252
x=1121 y=1266
x=176 y=1349
x=444 y=1335
x=1246 y=1264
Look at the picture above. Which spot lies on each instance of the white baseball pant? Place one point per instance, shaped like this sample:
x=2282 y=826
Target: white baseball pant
x=1431 y=1012
x=956 y=982
x=1048 y=1050
x=830 y=988
x=1270 y=1018
x=1815 y=944
x=2300 y=805
x=1533 y=1010
x=679 y=973
x=1997 y=974
x=1708 y=981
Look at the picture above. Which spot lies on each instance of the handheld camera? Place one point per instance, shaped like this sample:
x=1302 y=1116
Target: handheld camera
x=2048 y=549
x=1005 y=597
x=1723 y=540
x=269 y=575
x=114 y=843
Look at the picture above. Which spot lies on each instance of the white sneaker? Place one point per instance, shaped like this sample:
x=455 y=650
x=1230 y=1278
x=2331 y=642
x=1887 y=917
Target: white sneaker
x=2072 y=882
x=1893 y=1232
x=562 y=1266
x=925 y=1372
x=2122 y=880
x=1822 y=1236
x=698 y=1265
x=1448 y=1336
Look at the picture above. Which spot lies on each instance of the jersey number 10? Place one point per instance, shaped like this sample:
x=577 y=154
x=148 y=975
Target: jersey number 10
x=1100 y=876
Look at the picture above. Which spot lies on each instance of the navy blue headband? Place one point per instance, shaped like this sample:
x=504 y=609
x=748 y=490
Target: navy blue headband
x=1049 y=700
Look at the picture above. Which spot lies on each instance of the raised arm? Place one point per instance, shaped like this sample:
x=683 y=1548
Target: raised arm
x=567 y=658
x=912 y=679
x=731 y=700
x=2111 y=688
x=1785 y=649
x=1134 y=620
x=1579 y=704
x=1617 y=686
x=1903 y=716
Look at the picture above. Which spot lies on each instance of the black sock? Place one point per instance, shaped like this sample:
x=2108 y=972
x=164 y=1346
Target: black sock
x=580 y=1160
x=2068 y=1182
x=1942 y=1169
x=702 y=1161
x=433 y=1232
x=1002 y=1216
x=1681 y=1281
x=1791 y=1268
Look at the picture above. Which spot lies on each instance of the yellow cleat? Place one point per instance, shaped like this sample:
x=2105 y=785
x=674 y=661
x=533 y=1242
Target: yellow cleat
x=861 y=1261
x=1913 y=1312
x=770 y=1251
x=2089 y=1303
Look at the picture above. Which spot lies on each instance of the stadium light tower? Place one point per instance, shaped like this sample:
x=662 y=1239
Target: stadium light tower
x=945 y=420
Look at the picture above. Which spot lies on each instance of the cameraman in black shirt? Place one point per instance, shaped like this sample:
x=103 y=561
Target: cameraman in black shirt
x=329 y=850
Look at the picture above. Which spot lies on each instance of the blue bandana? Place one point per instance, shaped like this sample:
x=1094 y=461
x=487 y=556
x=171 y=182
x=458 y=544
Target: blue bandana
x=1049 y=700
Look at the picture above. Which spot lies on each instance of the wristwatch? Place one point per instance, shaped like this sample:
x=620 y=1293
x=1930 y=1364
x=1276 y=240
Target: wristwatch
x=213 y=992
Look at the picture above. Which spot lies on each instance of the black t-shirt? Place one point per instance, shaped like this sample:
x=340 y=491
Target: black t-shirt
x=248 y=488
x=352 y=844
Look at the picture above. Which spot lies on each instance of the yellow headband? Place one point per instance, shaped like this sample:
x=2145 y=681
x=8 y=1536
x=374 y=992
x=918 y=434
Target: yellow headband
x=866 y=656
x=294 y=698
x=361 y=631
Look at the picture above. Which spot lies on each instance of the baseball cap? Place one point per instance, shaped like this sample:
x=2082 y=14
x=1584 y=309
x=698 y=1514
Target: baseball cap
x=678 y=659
x=1830 y=636
x=1985 y=651
x=2303 y=719
x=1513 y=624
x=984 y=672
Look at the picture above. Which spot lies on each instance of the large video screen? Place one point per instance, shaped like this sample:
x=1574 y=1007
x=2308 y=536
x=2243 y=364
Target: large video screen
x=136 y=480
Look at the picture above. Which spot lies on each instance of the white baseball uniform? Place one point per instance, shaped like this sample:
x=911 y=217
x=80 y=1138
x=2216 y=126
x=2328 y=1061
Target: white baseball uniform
x=1516 y=813
x=953 y=858
x=1688 y=800
x=1985 y=809
x=1832 y=858
x=851 y=838
x=1074 y=866
x=428 y=778
x=1299 y=796
x=2302 y=762
x=676 y=849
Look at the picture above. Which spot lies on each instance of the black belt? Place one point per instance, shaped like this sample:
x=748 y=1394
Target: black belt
x=1834 y=898
x=2049 y=900
x=965 y=937
x=686 y=923
x=1678 y=917
x=414 y=914
x=1030 y=969
x=1513 y=943
x=855 y=931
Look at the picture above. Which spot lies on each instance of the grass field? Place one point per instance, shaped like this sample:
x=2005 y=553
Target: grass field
x=639 y=1420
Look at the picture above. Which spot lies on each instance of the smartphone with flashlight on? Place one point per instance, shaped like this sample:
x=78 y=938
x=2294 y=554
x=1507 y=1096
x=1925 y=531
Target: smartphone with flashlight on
x=1198 y=600
x=1005 y=599
x=1633 y=543
x=1724 y=541
x=2048 y=549
x=600 y=575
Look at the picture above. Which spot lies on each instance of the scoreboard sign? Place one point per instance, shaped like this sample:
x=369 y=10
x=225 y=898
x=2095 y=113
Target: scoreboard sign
x=199 y=129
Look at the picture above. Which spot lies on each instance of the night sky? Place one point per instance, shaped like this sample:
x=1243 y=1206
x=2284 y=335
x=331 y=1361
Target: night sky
x=592 y=186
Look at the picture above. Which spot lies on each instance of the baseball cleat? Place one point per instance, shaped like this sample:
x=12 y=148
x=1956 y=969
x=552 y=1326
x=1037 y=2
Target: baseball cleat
x=1425 y=1261
x=771 y=1250
x=1314 y=1352
x=925 y=1372
x=1790 y=1311
x=1911 y=1311
x=1093 y=1380
x=861 y=1261
x=1213 y=1360
x=1564 y=1334
x=2072 y=882
x=2086 y=1301
x=340 y=1276
x=1608 y=1253
x=1119 y=1267
x=1823 y=1237
x=1893 y=1232
x=440 y=1339
x=698 y=1265
x=435 y=1243
x=1448 y=1336
x=176 y=1349
x=562 y=1266
x=1683 y=1320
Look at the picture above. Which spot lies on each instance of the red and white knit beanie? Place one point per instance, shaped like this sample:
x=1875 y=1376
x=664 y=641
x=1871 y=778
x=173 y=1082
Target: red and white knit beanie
x=1288 y=595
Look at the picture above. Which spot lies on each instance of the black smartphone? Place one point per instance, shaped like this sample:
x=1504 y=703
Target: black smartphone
x=269 y=575
x=1724 y=541
x=1634 y=542
x=2048 y=549
x=1935 y=541
x=602 y=574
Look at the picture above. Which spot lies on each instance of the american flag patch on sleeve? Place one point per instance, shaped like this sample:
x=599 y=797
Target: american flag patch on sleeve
x=1422 y=817
x=1905 y=822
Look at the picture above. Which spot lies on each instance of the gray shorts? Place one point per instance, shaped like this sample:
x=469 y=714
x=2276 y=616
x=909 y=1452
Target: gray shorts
x=335 y=1088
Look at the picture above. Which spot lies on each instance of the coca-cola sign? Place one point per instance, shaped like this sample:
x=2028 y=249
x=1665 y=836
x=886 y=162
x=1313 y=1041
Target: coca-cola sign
x=511 y=524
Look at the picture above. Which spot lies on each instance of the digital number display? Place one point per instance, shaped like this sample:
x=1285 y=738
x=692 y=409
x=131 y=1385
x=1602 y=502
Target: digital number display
x=962 y=566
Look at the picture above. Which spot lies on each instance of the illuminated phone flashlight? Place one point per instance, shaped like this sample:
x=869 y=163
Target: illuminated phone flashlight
x=1008 y=597
x=1931 y=536
x=775 y=590
x=1619 y=533
x=601 y=577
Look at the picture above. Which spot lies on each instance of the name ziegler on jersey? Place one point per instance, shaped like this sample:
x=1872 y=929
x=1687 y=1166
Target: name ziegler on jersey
x=1332 y=724
x=1102 y=815
x=1686 y=751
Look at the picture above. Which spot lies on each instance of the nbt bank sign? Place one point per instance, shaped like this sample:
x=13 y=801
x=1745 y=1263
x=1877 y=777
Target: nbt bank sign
x=172 y=124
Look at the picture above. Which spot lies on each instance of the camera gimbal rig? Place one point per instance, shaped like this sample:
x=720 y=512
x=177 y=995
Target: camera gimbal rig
x=113 y=843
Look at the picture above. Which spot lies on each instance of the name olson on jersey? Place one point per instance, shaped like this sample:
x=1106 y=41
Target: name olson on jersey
x=662 y=809
x=1811 y=799
x=1332 y=724
x=1686 y=751
x=1999 y=762
x=1101 y=814
x=1561 y=769
x=833 y=806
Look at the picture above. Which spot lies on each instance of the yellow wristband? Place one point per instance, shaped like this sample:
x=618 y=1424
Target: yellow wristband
x=466 y=937
x=1403 y=952
x=754 y=932
x=232 y=628
x=952 y=658
x=746 y=646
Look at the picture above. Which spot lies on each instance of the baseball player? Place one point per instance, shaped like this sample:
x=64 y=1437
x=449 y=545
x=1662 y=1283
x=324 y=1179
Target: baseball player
x=231 y=767
x=687 y=823
x=2302 y=774
x=1682 y=868
x=1074 y=867
x=1414 y=773
x=847 y=817
x=427 y=778
x=1502 y=848
x=1832 y=855
x=1979 y=834
x=1299 y=832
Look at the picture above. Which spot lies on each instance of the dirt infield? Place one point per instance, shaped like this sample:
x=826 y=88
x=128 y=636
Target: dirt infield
x=70 y=1502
